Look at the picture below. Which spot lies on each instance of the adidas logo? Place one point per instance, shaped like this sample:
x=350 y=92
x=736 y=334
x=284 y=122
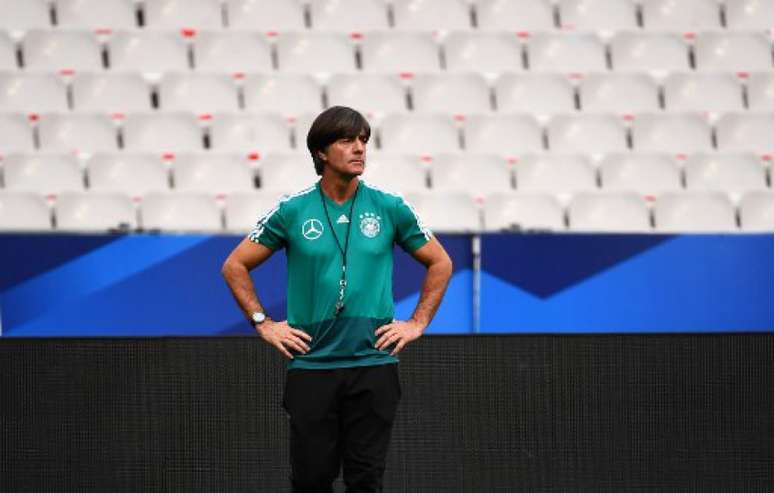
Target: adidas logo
x=342 y=219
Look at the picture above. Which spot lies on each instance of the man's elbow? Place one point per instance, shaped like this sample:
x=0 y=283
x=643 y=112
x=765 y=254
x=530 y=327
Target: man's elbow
x=446 y=265
x=228 y=267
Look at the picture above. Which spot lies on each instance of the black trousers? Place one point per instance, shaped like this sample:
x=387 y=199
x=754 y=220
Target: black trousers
x=340 y=416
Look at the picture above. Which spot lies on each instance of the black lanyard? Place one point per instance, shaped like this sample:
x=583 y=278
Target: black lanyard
x=344 y=250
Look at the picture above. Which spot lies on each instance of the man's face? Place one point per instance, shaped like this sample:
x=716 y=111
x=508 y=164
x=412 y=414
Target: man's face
x=347 y=156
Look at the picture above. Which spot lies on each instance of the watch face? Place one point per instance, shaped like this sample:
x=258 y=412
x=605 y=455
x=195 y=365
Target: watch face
x=258 y=317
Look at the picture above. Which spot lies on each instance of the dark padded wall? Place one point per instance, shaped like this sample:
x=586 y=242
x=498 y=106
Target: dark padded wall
x=479 y=414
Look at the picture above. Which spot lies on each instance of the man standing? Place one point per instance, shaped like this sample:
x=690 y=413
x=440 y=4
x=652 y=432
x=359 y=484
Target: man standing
x=342 y=387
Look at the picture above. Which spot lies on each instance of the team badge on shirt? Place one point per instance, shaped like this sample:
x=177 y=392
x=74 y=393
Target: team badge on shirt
x=370 y=225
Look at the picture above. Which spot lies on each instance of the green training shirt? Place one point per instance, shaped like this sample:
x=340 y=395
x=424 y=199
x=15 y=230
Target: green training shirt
x=298 y=223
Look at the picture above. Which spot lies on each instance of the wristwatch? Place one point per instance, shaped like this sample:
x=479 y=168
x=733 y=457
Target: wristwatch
x=257 y=318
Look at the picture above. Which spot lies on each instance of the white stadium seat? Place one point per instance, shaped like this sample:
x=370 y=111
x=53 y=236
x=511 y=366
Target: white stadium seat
x=42 y=173
x=94 y=211
x=566 y=52
x=508 y=135
x=15 y=133
x=507 y=15
x=621 y=93
x=243 y=209
x=178 y=211
x=760 y=91
x=431 y=14
x=61 y=51
x=746 y=132
x=162 y=132
x=555 y=173
x=148 y=51
x=129 y=173
x=400 y=173
x=7 y=53
x=750 y=14
x=649 y=52
x=249 y=133
x=96 y=14
x=419 y=134
x=200 y=93
x=597 y=212
x=79 y=132
x=477 y=174
x=177 y=14
x=400 y=52
x=539 y=94
x=32 y=93
x=730 y=173
x=110 y=92
x=232 y=51
x=287 y=172
x=303 y=122
x=446 y=212
x=694 y=212
x=348 y=15
x=674 y=133
x=266 y=15
x=212 y=173
x=487 y=52
x=733 y=51
x=287 y=94
x=680 y=15
x=24 y=14
x=23 y=211
x=523 y=211
x=703 y=92
x=315 y=52
x=367 y=93
x=597 y=15
x=586 y=133
x=756 y=212
x=450 y=93
x=646 y=174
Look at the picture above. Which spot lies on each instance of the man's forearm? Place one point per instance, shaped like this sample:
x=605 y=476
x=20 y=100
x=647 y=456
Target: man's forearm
x=433 y=288
x=241 y=285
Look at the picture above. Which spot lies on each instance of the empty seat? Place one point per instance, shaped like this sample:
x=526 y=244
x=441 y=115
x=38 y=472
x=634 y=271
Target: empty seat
x=23 y=211
x=620 y=212
x=315 y=52
x=400 y=173
x=503 y=134
x=451 y=93
x=232 y=51
x=554 y=173
x=94 y=211
x=132 y=174
x=646 y=174
x=756 y=212
x=61 y=51
x=539 y=94
x=243 y=208
x=287 y=172
x=680 y=15
x=526 y=15
x=566 y=52
x=477 y=174
x=588 y=133
x=750 y=14
x=472 y=51
x=367 y=93
x=431 y=14
x=597 y=15
x=622 y=93
x=178 y=211
x=694 y=212
x=24 y=14
x=301 y=126
x=176 y=14
x=649 y=52
x=703 y=92
x=419 y=134
x=32 y=93
x=148 y=51
x=110 y=92
x=81 y=133
x=15 y=133
x=730 y=173
x=523 y=211
x=746 y=132
x=266 y=15
x=249 y=133
x=162 y=132
x=287 y=94
x=446 y=212
x=760 y=91
x=42 y=173
x=732 y=51
x=349 y=15
x=399 y=52
x=7 y=53
x=96 y=14
x=674 y=133
x=212 y=173
x=200 y=93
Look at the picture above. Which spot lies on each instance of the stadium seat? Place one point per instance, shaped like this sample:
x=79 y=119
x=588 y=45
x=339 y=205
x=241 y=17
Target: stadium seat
x=287 y=172
x=315 y=52
x=746 y=132
x=200 y=93
x=419 y=134
x=179 y=211
x=148 y=51
x=680 y=15
x=79 y=132
x=555 y=173
x=446 y=212
x=61 y=51
x=367 y=93
x=648 y=174
x=32 y=93
x=348 y=15
x=15 y=133
x=756 y=212
x=431 y=15
x=702 y=92
x=266 y=15
x=760 y=91
x=7 y=53
x=162 y=132
x=621 y=212
x=24 y=14
x=508 y=135
x=243 y=209
x=23 y=211
x=42 y=173
x=94 y=211
x=586 y=133
x=620 y=93
x=128 y=173
x=732 y=51
x=506 y=15
x=450 y=93
x=249 y=133
x=232 y=52
x=178 y=14
x=597 y=15
x=566 y=52
x=96 y=14
x=694 y=212
x=649 y=52
x=750 y=14
x=287 y=94
x=539 y=94
x=212 y=173
x=303 y=122
x=523 y=211
x=674 y=133
x=476 y=174
x=730 y=173
x=398 y=173
x=487 y=52
x=399 y=52
x=110 y=92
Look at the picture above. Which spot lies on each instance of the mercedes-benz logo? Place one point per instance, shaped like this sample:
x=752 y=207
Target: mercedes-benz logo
x=312 y=229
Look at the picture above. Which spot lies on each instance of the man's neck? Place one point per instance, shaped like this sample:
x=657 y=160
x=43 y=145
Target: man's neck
x=339 y=189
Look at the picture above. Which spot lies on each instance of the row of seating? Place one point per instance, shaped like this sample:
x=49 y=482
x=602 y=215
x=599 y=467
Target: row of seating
x=384 y=51
x=292 y=94
x=352 y=15
x=453 y=212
